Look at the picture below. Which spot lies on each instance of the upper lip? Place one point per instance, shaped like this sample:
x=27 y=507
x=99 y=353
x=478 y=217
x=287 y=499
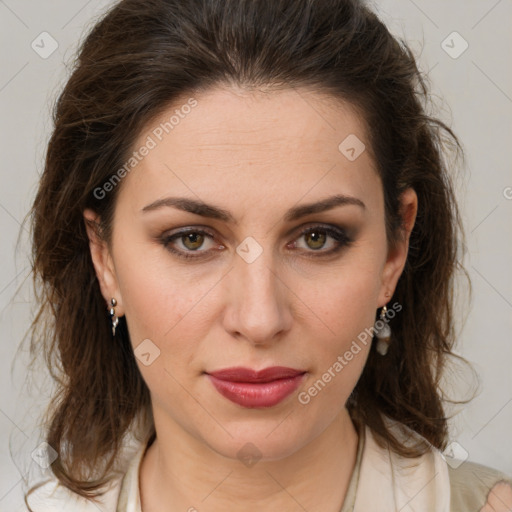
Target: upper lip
x=240 y=374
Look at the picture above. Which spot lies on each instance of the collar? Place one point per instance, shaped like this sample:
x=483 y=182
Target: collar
x=379 y=476
x=402 y=484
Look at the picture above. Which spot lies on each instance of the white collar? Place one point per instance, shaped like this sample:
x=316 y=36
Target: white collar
x=402 y=484
x=386 y=481
x=393 y=482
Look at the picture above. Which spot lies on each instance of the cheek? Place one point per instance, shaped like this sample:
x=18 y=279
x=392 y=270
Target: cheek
x=345 y=302
x=161 y=308
x=173 y=309
x=157 y=294
x=344 y=299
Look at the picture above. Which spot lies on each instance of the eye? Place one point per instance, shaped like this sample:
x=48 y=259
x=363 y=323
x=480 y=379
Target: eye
x=316 y=238
x=192 y=240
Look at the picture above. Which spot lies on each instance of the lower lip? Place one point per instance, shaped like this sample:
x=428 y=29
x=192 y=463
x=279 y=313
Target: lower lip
x=252 y=395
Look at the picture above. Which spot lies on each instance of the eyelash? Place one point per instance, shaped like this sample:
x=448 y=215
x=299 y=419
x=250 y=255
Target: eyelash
x=337 y=234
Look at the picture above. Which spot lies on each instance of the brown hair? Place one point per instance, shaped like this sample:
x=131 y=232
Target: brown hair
x=140 y=57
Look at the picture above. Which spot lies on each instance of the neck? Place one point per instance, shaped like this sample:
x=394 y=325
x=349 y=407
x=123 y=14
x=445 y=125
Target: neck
x=180 y=470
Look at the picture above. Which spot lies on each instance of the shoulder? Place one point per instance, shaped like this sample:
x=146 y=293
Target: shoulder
x=478 y=488
x=461 y=486
x=50 y=495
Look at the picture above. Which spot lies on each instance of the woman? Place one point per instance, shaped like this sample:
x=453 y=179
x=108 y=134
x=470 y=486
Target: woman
x=247 y=237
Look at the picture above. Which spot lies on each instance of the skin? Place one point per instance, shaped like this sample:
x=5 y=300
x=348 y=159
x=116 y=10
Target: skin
x=499 y=498
x=255 y=155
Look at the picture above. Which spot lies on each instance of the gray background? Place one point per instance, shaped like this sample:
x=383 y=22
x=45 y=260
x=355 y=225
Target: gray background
x=473 y=94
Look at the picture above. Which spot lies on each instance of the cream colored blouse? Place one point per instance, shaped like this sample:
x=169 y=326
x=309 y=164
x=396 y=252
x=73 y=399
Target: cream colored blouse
x=381 y=481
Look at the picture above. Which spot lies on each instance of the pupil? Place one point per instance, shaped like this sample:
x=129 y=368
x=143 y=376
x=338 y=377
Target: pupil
x=192 y=238
x=316 y=236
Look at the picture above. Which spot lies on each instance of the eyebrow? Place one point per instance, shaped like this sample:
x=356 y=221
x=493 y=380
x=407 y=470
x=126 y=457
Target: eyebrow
x=214 y=212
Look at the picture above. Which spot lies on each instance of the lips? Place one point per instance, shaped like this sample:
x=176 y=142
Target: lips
x=250 y=388
x=241 y=374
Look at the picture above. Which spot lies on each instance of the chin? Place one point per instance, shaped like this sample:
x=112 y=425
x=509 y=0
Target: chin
x=264 y=440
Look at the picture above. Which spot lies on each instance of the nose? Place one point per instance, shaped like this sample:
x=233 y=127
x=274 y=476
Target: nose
x=258 y=306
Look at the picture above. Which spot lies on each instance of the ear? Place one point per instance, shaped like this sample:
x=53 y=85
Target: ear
x=397 y=254
x=102 y=261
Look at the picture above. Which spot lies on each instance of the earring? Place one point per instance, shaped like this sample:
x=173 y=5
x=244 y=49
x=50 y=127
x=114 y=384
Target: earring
x=115 y=320
x=382 y=332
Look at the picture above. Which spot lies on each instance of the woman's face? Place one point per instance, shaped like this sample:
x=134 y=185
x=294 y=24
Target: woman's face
x=246 y=287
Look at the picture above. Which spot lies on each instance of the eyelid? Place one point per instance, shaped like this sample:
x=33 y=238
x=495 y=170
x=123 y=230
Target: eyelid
x=337 y=233
x=167 y=239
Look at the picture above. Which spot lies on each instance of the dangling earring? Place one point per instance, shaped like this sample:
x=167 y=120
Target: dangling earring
x=115 y=320
x=382 y=332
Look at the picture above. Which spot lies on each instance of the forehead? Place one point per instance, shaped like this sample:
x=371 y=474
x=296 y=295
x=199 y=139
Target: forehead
x=227 y=141
x=258 y=121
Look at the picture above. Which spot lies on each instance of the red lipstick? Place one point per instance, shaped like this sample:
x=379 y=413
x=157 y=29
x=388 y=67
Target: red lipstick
x=250 y=388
